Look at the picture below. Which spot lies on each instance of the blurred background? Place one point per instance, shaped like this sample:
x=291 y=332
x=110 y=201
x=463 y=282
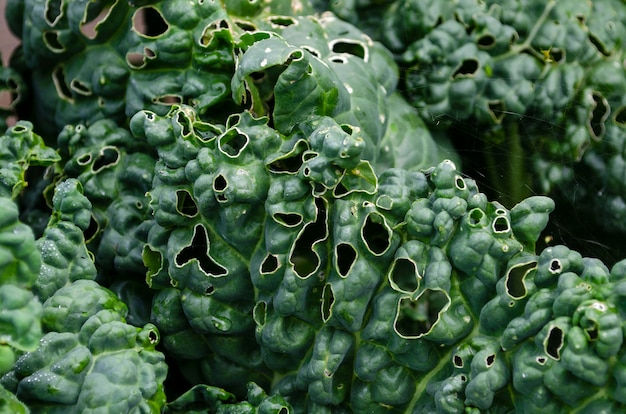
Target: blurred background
x=8 y=42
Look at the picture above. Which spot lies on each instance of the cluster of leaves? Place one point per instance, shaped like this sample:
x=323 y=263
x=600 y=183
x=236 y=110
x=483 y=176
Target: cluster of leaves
x=534 y=91
x=238 y=198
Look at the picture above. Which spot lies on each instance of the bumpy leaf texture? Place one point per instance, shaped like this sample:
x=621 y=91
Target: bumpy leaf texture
x=413 y=293
x=536 y=88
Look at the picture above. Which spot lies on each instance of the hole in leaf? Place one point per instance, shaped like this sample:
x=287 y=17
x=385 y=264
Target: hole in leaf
x=376 y=234
x=288 y=219
x=259 y=313
x=92 y=230
x=554 y=343
x=95 y=14
x=345 y=256
x=58 y=77
x=620 y=116
x=269 y=265
x=496 y=110
x=149 y=22
x=515 y=285
x=138 y=60
x=555 y=266
x=415 y=318
x=501 y=225
x=349 y=47
x=283 y=21
x=468 y=68
x=339 y=59
x=53 y=11
x=312 y=51
x=185 y=123
x=598 y=116
x=541 y=360
x=245 y=25
x=168 y=100
x=592 y=332
x=597 y=43
x=209 y=290
x=557 y=54
x=153 y=336
x=486 y=41
x=220 y=183
x=490 y=360
x=304 y=259
x=457 y=361
x=108 y=157
x=328 y=299
x=135 y=60
x=198 y=250
x=476 y=217
x=208 y=34
x=459 y=182
x=233 y=142
x=404 y=275
x=84 y=159
x=185 y=204
x=80 y=88
x=51 y=39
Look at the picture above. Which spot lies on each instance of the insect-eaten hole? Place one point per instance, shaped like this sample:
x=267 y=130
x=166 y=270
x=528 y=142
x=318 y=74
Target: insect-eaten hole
x=476 y=217
x=282 y=21
x=496 y=110
x=208 y=34
x=149 y=22
x=270 y=264
x=185 y=123
x=376 y=234
x=403 y=276
x=515 y=284
x=185 y=204
x=198 y=251
x=599 y=45
x=328 y=299
x=490 y=359
x=58 y=78
x=457 y=361
x=153 y=336
x=219 y=185
x=501 y=225
x=232 y=142
x=259 y=313
x=138 y=60
x=96 y=13
x=598 y=116
x=92 y=230
x=288 y=219
x=415 y=318
x=51 y=40
x=345 y=256
x=486 y=41
x=555 y=266
x=80 y=87
x=554 y=342
x=108 y=157
x=620 y=116
x=53 y=11
x=349 y=47
x=168 y=100
x=303 y=257
x=291 y=162
x=467 y=68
